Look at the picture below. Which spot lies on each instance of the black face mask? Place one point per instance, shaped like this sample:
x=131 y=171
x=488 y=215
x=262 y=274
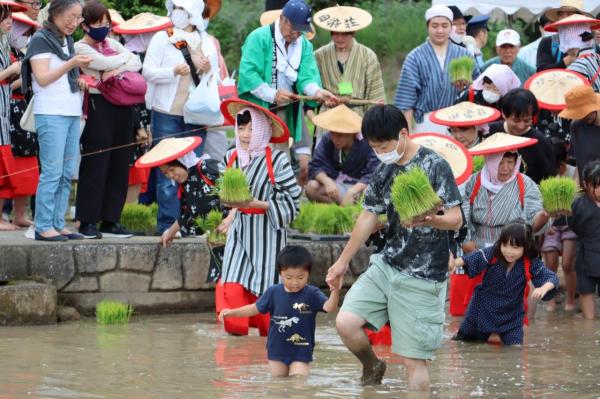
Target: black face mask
x=98 y=34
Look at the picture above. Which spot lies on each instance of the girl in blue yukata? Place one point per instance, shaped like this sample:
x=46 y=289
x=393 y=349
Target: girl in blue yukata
x=293 y=306
x=498 y=304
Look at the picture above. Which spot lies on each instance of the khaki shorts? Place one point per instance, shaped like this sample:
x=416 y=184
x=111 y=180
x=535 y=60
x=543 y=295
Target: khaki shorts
x=414 y=307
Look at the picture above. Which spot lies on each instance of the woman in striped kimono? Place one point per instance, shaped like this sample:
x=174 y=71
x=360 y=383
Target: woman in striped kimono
x=256 y=228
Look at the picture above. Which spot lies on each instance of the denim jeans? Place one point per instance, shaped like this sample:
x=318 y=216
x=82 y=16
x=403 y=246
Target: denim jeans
x=58 y=137
x=164 y=125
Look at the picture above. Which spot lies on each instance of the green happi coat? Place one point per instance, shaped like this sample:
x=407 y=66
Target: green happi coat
x=256 y=68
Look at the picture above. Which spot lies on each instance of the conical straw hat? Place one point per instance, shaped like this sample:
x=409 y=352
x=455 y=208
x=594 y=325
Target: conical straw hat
x=23 y=18
x=551 y=85
x=231 y=107
x=143 y=23
x=451 y=150
x=574 y=19
x=500 y=143
x=268 y=17
x=115 y=17
x=167 y=150
x=464 y=114
x=342 y=19
x=566 y=6
x=340 y=119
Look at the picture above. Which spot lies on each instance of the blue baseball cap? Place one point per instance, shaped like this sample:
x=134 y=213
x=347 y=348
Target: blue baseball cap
x=299 y=14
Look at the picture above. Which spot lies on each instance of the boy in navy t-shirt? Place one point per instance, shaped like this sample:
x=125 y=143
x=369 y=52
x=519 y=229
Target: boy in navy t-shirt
x=293 y=306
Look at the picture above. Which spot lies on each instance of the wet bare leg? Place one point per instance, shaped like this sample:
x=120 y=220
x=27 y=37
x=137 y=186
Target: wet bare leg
x=587 y=305
x=417 y=374
x=568 y=265
x=551 y=261
x=350 y=329
x=299 y=368
x=278 y=369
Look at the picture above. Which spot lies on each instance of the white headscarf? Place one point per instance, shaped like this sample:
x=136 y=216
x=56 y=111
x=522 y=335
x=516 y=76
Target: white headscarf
x=502 y=76
x=489 y=173
x=138 y=43
x=190 y=159
x=193 y=7
x=262 y=130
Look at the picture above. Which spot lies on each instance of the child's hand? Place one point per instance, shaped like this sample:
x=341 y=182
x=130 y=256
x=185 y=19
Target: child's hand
x=223 y=314
x=539 y=293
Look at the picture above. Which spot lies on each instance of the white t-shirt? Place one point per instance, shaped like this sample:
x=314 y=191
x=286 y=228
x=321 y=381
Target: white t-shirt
x=56 y=98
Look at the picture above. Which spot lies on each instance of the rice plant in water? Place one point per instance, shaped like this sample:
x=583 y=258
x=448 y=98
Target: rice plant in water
x=113 y=312
x=139 y=218
x=478 y=162
x=558 y=194
x=209 y=224
x=233 y=186
x=461 y=69
x=413 y=197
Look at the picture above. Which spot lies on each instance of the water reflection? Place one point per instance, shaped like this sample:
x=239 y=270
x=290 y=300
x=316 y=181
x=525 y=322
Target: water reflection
x=188 y=356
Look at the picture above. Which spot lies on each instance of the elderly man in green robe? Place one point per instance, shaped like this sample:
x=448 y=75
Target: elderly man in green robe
x=278 y=63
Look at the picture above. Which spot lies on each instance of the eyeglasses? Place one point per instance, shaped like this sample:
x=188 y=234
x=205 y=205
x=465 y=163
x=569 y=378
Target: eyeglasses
x=74 y=19
x=36 y=5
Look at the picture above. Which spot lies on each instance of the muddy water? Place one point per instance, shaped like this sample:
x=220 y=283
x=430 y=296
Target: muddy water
x=187 y=356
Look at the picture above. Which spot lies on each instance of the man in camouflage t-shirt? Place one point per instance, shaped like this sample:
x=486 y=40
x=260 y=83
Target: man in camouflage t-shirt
x=406 y=282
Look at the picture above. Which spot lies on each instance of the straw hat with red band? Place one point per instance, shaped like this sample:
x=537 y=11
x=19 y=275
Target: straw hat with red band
x=115 y=17
x=143 y=23
x=14 y=7
x=269 y=17
x=342 y=19
x=451 y=150
x=231 y=107
x=464 y=114
x=167 y=150
x=551 y=85
x=500 y=143
x=575 y=19
x=23 y=18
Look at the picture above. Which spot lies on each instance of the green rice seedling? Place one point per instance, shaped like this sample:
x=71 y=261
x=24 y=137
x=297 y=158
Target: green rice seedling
x=478 y=162
x=209 y=224
x=139 y=218
x=305 y=219
x=113 y=312
x=558 y=194
x=324 y=219
x=413 y=197
x=233 y=187
x=461 y=69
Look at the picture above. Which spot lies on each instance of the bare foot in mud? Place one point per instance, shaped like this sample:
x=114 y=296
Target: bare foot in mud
x=374 y=375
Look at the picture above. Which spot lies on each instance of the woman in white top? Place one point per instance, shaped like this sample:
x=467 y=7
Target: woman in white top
x=51 y=68
x=104 y=177
x=170 y=80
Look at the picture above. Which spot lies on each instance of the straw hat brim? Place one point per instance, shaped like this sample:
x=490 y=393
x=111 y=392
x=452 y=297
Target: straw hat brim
x=342 y=19
x=143 y=23
x=269 y=17
x=500 y=143
x=550 y=86
x=23 y=18
x=14 y=7
x=581 y=112
x=167 y=150
x=572 y=20
x=116 y=17
x=552 y=14
x=231 y=107
x=340 y=119
x=464 y=114
x=451 y=150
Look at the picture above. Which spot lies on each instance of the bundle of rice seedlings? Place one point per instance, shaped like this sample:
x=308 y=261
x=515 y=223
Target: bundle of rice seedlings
x=139 y=218
x=209 y=224
x=558 y=194
x=413 y=197
x=478 y=162
x=113 y=312
x=324 y=219
x=461 y=69
x=233 y=186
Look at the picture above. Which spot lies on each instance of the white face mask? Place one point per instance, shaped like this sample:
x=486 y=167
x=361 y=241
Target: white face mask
x=456 y=37
x=180 y=18
x=490 y=97
x=392 y=157
x=18 y=42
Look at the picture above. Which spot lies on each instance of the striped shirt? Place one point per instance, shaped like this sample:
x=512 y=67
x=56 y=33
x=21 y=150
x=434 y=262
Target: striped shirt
x=588 y=65
x=4 y=101
x=253 y=241
x=490 y=213
x=423 y=85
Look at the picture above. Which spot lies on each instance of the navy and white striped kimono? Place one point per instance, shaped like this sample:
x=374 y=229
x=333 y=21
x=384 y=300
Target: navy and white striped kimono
x=253 y=241
x=423 y=86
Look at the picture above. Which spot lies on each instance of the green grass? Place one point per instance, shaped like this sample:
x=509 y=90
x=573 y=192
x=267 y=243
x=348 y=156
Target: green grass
x=325 y=219
x=558 y=194
x=140 y=218
x=209 y=224
x=113 y=312
x=413 y=196
x=233 y=187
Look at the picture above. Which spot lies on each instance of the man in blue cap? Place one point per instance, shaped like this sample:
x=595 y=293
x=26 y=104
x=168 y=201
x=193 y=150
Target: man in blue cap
x=478 y=29
x=277 y=64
